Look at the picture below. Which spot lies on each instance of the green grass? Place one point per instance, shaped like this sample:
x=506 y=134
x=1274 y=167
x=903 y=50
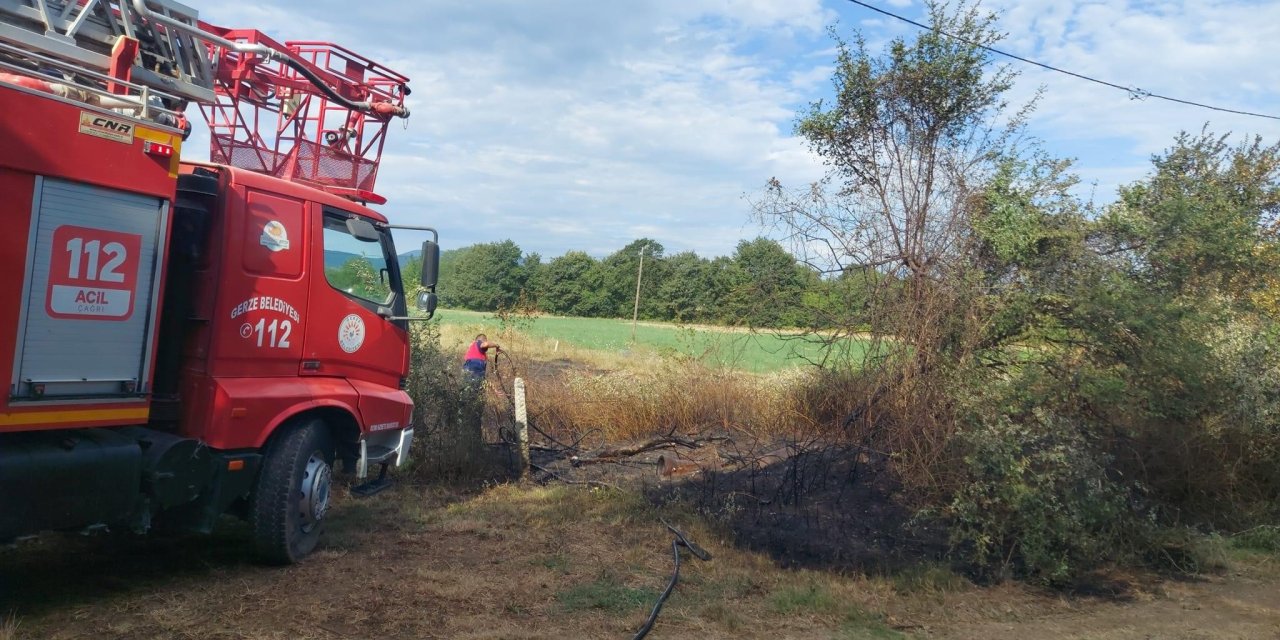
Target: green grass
x=558 y=562
x=815 y=599
x=928 y=578
x=758 y=352
x=1265 y=539
x=607 y=594
x=812 y=598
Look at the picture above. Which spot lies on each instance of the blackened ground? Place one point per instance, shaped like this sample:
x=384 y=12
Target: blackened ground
x=830 y=508
x=825 y=507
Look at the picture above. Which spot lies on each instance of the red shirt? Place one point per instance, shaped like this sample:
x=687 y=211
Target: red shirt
x=475 y=352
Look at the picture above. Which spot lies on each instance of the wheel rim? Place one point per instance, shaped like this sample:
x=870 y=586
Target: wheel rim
x=316 y=480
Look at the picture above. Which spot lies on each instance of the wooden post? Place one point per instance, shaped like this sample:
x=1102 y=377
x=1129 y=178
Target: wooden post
x=522 y=428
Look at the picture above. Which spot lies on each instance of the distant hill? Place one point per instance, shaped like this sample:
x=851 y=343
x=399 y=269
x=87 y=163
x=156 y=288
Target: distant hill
x=335 y=259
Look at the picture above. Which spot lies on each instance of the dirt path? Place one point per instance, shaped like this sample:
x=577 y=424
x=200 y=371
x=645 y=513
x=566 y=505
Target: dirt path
x=1244 y=604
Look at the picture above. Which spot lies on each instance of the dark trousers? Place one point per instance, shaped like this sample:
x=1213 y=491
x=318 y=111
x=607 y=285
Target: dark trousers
x=474 y=368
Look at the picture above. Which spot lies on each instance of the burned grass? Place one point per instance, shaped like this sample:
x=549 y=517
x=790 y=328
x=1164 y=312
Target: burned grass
x=826 y=506
x=817 y=505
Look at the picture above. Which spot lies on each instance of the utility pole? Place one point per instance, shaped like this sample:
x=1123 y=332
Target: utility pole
x=635 y=312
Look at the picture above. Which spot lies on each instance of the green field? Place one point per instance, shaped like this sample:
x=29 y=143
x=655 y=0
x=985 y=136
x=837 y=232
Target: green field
x=758 y=352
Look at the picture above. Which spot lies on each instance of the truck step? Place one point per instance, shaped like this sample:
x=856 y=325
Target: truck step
x=373 y=487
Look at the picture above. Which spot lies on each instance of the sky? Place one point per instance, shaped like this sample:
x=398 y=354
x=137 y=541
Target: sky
x=585 y=124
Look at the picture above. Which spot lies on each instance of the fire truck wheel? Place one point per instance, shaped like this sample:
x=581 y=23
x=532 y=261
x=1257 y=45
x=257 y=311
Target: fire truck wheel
x=289 y=503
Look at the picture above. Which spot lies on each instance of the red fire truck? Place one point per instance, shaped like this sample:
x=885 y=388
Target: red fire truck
x=180 y=340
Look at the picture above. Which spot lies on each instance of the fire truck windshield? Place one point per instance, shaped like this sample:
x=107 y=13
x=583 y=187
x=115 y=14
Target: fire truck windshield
x=363 y=270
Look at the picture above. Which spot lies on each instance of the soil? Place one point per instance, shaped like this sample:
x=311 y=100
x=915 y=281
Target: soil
x=421 y=562
x=1241 y=604
x=796 y=510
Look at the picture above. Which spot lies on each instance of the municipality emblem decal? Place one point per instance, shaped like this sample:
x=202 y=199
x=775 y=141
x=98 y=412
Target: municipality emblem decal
x=274 y=237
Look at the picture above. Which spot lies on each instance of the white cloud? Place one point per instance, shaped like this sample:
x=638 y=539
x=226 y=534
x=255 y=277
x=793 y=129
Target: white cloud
x=577 y=124
x=1214 y=52
x=574 y=124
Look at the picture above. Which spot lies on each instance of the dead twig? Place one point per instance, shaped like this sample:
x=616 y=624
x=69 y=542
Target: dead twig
x=589 y=483
x=669 y=441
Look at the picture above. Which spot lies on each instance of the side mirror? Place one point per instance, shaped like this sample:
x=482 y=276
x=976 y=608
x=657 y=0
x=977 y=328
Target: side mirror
x=427 y=302
x=363 y=230
x=430 y=264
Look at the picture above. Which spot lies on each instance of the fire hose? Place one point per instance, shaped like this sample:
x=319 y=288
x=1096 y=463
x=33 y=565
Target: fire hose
x=679 y=541
x=508 y=395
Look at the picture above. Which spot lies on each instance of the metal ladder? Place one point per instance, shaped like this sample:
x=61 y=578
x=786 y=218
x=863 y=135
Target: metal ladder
x=173 y=56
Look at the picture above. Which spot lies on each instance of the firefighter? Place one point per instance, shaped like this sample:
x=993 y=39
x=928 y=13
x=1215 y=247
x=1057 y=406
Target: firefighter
x=477 y=358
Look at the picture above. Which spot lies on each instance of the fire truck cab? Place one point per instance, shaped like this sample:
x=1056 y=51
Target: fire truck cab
x=182 y=340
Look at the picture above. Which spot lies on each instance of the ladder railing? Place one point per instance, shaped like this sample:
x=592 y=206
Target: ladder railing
x=311 y=112
x=271 y=117
x=84 y=33
x=128 y=99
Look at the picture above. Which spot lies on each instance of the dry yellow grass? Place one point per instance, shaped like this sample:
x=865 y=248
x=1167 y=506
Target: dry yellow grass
x=686 y=398
x=619 y=396
x=9 y=628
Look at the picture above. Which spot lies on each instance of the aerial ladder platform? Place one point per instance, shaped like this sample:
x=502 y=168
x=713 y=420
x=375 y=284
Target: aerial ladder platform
x=304 y=111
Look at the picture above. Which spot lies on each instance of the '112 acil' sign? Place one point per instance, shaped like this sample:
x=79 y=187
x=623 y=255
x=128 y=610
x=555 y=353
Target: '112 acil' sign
x=93 y=273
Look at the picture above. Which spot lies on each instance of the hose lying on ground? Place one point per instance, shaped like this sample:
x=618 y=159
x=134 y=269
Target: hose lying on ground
x=698 y=553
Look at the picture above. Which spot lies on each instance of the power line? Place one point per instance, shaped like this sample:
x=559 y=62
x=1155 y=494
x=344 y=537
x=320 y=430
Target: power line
x=1134 y=92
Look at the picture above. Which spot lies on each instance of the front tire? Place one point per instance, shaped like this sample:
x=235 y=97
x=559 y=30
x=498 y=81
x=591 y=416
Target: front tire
x=289 y=504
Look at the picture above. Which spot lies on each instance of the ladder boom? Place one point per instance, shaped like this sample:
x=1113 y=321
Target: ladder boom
x=307 y=111
x=85 y=33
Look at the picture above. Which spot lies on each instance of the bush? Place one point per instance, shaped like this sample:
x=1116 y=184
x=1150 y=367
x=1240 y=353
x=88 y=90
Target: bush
x=1077 y=459
x=1265 y=538
x=1036 y=501
x=446 y=413
x=1242 y=442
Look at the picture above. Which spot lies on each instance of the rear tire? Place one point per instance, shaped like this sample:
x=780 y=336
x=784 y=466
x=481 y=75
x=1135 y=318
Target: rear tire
x=289 y=504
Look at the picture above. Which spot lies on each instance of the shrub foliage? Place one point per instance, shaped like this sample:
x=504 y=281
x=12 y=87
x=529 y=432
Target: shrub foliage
x=1064 y=385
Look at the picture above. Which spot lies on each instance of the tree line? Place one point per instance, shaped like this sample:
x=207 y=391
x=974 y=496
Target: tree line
x=760 y=285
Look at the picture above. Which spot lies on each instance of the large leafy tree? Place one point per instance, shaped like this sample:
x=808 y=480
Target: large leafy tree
x=767 y=285
x=1202 y=220
x=911 y=137
x=689 y=292
x=571 y=285
x=484 y=276
x=619 y=271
